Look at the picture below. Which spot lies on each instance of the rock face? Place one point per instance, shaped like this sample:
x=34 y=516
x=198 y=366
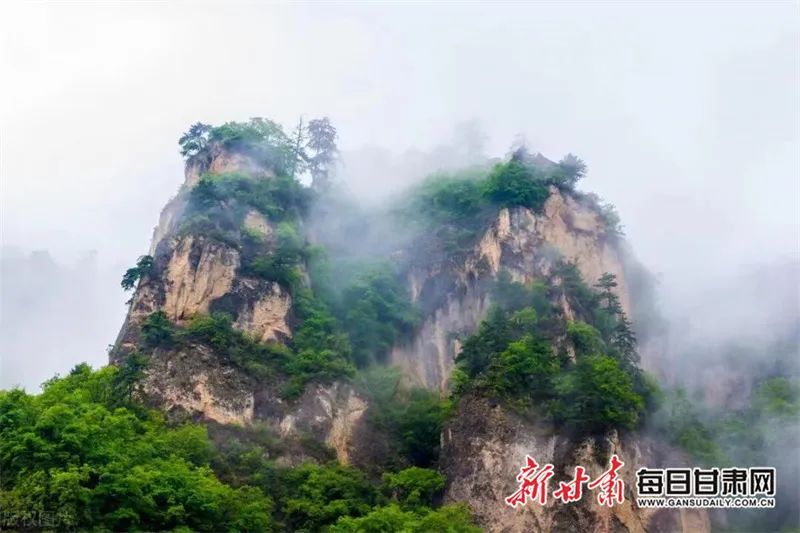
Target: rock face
x=193 y=381
x=194 y=274
x=526 y=245
x=327 y=413
x=221 y=161
x=197 y=274
x=264 y=310
x=484 y=447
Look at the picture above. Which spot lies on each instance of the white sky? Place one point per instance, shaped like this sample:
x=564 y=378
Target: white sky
x=687 y=115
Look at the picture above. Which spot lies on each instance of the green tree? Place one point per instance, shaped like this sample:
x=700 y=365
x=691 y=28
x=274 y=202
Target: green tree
x=377 y=314
x=517 y=184
x=157 y=331
x=321 y=151
x=524 y=370
x=492 y=337
x=585 y=338
x=597 y=394
x=195 y=140
x=107 y=466
x=414 y=487
x=392 y=519
x=568 y=172
x=143 y=267
x=316 y=496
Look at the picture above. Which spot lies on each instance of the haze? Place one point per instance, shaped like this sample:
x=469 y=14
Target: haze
x=688 y=117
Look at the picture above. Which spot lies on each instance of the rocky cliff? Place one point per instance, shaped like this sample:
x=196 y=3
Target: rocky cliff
x=484 y=443
x=522 y=243
x=196 y=274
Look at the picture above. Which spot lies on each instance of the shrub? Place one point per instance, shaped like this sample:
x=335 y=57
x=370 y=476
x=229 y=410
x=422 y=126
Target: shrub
x=278 y=198
x=585 y=339
x=597 y=394
x=414 y=486
x=157 y=331
x=778 y=397
x=493 y=335
x=378 y=313
x=517 y=184
x=418 y=423
x=195 y=140
x=279 y=266
x=314 y=496
x=568 y=172
x=512 y=295
x=524 y=370
x=454 y=518
x=217 y=331
x=450 y=199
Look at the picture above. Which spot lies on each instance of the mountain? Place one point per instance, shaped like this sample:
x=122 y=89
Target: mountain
x=241 y=325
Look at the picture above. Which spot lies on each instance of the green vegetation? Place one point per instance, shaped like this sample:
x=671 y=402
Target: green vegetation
x=111 y=466
x=277 y=198
x=568 y=172
x=281 y=263
x=143 y=267
x=742 y=436
x=597 y=394
x=512 y=356
x=377 y=313
x=216 y=330
x=517 y=184
x=217 y=208
x=102 y=462
x=318 y=351
x=392 y=519
x=414 y=486
x=259 y=138
x=311 y=147
x=157 y=331
x=322 y=350
x=451 y=210
x=412 y=420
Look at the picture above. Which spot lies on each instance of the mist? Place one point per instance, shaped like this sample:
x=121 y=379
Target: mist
x=687 y=117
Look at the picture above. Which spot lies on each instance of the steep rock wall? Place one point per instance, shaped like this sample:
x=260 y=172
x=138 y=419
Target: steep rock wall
x=199 y=271
x=484 y=446
x=525 y=244
x=198 y=274
x=194 y=381
x=331 y=413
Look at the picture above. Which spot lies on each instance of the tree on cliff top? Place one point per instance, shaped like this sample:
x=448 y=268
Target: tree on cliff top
x=322 y=151
x=195 y=140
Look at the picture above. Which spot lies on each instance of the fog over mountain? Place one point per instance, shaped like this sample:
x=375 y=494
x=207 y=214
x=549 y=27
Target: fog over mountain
x=687 y=117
